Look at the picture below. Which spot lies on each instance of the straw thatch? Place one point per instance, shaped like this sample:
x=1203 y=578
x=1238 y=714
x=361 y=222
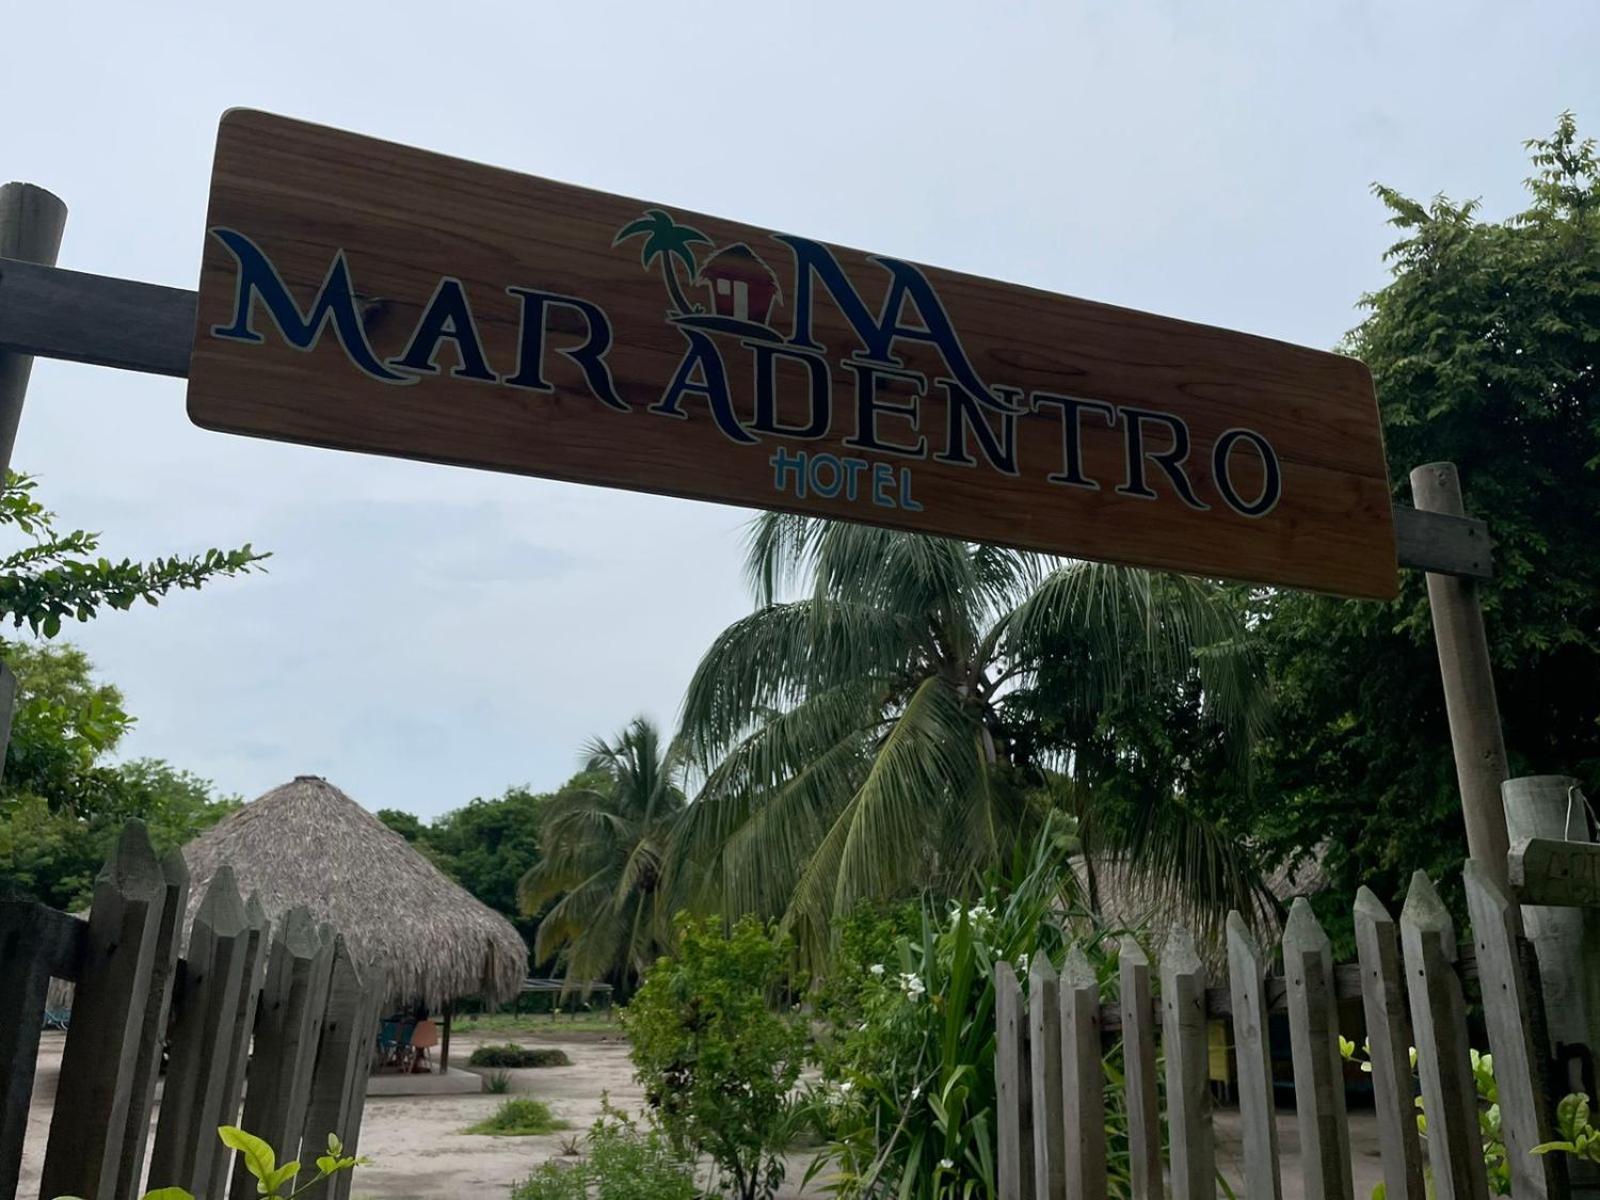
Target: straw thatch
x=307 y=843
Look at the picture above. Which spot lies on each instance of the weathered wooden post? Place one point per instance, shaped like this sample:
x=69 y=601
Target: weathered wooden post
x=1183 y=1035
x=1464 y=666
x=1318 y=1069
x=1139 y=1067
x=31 y=224
x=342 y=1051
x=1248 y=969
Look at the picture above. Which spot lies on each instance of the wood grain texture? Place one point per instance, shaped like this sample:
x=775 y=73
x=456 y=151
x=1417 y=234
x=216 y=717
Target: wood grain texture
x=1139 y=1069
x=1248 y=969
x=1083 y=1078
x=1318 y=1068
x=405 y=219
x=1183 y=1036
x=1383 y=1000
x=1013 y=1088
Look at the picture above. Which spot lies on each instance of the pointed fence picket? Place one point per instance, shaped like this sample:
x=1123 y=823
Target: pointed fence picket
x=1409 y=981
x=134 y=994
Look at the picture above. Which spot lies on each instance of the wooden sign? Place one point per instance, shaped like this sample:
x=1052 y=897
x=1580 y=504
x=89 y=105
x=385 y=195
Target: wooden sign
x=364 y=296
x=1554 y=872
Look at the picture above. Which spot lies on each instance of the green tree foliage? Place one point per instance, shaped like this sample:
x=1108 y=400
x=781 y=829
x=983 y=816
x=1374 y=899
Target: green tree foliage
x=62 y=800
x=487 y=847
x=56 y=576
x=603 y=845
x=716 y=1054
x=1485 y=351
x=882 y=733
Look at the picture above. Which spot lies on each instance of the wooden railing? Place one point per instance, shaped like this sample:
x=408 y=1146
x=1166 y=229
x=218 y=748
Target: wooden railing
x=276 y=1019
x=1051 y=1036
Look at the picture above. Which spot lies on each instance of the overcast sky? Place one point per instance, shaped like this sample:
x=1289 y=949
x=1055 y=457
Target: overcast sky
x=429 y=634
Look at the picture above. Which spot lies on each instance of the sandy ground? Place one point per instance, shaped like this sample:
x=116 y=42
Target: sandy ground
x=421 y=1153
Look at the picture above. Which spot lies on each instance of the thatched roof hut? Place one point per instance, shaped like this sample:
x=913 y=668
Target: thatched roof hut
x=307 y=843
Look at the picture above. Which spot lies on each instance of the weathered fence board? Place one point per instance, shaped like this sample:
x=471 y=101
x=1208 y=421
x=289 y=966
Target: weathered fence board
x=1247 y=974
x=99 y=1063
x=1438 y=1019
x=36 y=943
x=258 y=946
x=1139 y=1069
x=1318 y=1067
x=341 y=1054
x=152 y=1034
x=1013 y=1089
x=1083 y=1079
x=203 y=1035
x=1044 y=1038
x=355 y=1105
x=1183 y=1015
x=1383 y=1000
x=1518 y=1055
x=287 y=1023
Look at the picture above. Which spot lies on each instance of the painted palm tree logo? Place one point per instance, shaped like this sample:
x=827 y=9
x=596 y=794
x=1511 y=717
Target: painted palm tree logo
x=667 y=243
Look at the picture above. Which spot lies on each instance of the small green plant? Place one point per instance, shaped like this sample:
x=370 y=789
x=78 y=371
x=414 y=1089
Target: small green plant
x=1579 y=1138
x=623 y=1162
x=497 y=1083
x=520 y=1117
x=509 y=1055
x=261 y=1160
x=717 y=1057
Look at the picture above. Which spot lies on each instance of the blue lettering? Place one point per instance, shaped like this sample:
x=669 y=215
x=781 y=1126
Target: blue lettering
x=869 y=405
x=1071 y=407
x=962 y=414
x=789 y=471
x=830 y=489
x=448 y=315
x=335 y=302
x=1170 y=461
x=906 y=502
x=1271 y=485
x=590 y=357
x=820 y=395
x=703 y=358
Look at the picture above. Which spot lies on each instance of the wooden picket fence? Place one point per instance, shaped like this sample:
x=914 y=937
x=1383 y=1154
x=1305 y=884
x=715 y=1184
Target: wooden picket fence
x=276 y=1019
x=1050 y=1040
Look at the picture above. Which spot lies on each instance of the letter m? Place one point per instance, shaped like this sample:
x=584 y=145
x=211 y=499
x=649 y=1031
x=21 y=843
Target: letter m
x=336 y=302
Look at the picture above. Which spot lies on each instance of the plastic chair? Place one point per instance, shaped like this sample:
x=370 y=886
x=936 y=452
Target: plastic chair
x=424 y=1037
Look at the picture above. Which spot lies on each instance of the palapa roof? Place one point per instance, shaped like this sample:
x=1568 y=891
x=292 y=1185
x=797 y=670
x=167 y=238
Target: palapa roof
x=308 y=844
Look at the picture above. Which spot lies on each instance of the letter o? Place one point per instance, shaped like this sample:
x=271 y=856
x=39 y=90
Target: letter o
x=1272 y=485
x=826 y=491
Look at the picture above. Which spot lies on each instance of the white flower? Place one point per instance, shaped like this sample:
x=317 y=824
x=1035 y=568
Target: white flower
x=916 y=1091
x=1022 y=963
x=876 y=968
x=912 y=985
x=945 y=1164
x=847 y=1087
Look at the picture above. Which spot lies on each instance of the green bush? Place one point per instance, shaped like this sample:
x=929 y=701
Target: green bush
x=521 y=1117
x=716 y=1056
x=509 y=1055
x=622 y=1163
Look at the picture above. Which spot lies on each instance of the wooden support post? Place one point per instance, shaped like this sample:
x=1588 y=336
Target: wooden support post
x=31 y=223
x=36 y=943
x=1247 y=976
x=1383 y=999
x=204 y=1033
x=99 y=1063
x=1183 y=1028
x=1083 y=1079
x=1013 y=1095
x=1439 y=1021
x=1139 y=1069
x=1480 y=750
x=444 y=1038
x=1044 y=1057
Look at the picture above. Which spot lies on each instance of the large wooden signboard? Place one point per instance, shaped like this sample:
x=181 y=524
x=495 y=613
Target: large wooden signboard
x=364 y=296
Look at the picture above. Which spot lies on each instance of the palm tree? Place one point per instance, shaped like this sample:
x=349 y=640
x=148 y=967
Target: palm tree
x=666 y=242
x=602 y=850
x=861 y=740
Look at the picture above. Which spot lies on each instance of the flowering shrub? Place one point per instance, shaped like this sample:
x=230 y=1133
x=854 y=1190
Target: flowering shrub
x=717 y=1056
x=906 y=1101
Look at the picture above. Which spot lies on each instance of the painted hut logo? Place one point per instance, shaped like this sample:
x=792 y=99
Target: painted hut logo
x=739 y=290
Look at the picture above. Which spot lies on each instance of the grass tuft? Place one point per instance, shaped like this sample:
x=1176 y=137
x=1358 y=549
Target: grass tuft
x=520 y=1117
